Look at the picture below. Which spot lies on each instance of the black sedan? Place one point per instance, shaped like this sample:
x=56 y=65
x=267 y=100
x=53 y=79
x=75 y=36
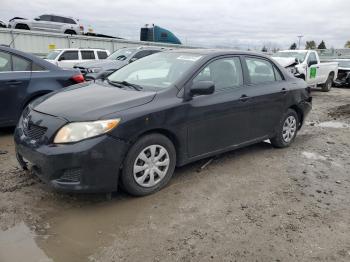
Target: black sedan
x=25 y=77
x=163 y=111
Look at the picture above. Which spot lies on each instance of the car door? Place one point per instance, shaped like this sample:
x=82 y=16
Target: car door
x=87 y=55
x=266 y=96
x=15 y=75
x=218 y=121
x=312 y=69
x=43 y=23
x=69 y=58
x=56 y=23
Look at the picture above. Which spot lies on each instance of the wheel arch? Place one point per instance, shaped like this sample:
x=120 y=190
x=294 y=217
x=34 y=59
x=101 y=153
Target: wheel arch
x=300 y=114
x=165 y=132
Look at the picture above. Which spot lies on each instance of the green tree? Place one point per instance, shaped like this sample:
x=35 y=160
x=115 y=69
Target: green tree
x=310 y=44
x=264 y=49
x=347 y=44
x=322 y=45
x=293 y=46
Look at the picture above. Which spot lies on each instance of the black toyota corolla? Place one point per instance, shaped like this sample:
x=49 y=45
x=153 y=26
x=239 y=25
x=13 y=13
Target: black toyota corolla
x=163 y=111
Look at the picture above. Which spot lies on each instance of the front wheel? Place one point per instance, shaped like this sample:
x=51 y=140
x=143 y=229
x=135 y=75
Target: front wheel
x=149 y=165
x=287 y=130
x=326 y=87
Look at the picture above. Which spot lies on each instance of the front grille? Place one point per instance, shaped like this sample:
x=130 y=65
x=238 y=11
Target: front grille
x=71 y=176
x=34 y=132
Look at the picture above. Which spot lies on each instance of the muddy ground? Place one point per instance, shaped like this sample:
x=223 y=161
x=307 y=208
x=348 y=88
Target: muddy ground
x=254 y=204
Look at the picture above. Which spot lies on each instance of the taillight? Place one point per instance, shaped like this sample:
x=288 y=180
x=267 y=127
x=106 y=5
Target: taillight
x=81 y=28
x=78 y=78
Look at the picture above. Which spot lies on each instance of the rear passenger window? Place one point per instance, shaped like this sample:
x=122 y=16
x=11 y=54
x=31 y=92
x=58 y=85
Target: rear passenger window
x=69 y=55
x=69 y=21
x=86 y=55
x=101 y=54
x=226 y=73
x=57 y=19
x=36 y=67
x=20 y=64
x=5 y=62
x=260 y=70
x=278 y=75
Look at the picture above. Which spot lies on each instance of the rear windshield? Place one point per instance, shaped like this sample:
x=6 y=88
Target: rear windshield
x=121 y=54
x=344 y=64
x=53 y=54
x=299 y=55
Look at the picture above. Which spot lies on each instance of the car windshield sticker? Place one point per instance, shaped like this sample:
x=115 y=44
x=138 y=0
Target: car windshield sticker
x=189 y=57
x=313 y=72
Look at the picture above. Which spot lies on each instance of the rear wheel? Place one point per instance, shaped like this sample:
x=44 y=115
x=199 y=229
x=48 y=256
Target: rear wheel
x=149 y=165
x=326 y=87
x=22 y=26
x=70 y=32
x=287 y=130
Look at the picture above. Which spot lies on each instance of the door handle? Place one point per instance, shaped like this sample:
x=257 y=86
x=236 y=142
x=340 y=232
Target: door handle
x=14 y=82
x=284 y=91
x=244 y=98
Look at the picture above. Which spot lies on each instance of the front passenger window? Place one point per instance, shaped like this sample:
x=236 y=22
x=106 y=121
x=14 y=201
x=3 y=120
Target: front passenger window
x=5 y=62
x=226 y=73
x=20 y=64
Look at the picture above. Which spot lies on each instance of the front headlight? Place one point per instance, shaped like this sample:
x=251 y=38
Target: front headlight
x=78 y=131
x=94 y=70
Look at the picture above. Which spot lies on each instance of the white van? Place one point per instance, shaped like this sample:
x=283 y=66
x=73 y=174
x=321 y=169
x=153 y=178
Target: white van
x=67 y=58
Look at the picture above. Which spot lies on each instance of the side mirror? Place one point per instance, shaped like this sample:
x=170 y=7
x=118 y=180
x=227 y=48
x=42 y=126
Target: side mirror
x=37 y=18
x=61 y=58
x=132 y=59
x=202 y=88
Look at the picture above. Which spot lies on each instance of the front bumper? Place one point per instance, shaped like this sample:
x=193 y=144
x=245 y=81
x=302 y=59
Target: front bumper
x=91 y=165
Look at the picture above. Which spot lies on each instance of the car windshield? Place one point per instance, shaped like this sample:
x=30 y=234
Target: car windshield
x=344 y=64
x=299 y=55
x=121 y=54
x=157 y=71
x=53 y=54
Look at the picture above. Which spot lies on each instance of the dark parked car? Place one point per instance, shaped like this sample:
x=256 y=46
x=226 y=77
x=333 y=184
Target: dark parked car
x=343 y=78
x=100 y=69
x=24 y=77
x=162 y=111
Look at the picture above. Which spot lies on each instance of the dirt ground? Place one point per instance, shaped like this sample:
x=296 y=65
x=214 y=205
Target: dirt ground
x=253 y=204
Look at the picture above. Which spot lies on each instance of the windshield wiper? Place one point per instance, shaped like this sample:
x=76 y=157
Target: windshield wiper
x=125 y=83
x=114 y=83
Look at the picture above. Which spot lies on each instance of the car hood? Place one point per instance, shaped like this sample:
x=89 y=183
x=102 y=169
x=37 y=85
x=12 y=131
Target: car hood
x=285 y=61
x=91 y=102
x=105 y=64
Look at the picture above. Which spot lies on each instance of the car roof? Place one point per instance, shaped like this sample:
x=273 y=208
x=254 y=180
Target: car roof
x=60 y=16
x=216 y=52
x=77 y=49
x=35 y=59
x=295 y=51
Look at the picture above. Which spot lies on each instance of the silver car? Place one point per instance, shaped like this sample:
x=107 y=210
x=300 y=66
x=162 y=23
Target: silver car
x=49 y=23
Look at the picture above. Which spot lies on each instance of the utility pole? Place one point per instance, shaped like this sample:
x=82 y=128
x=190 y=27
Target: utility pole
x=300 y=37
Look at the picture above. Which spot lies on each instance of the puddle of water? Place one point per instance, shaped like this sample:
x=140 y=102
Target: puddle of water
x=18 y=244
x=313 y=156
x=80 y=233
x=333 y=124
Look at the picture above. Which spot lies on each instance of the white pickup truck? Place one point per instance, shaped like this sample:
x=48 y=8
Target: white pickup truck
x=306 y=64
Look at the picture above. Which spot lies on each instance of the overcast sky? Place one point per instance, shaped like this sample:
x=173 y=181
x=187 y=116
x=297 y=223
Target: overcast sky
x=214 y=23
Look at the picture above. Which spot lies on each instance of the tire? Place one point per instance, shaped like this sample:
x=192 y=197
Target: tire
x=137 y=174
x=287 y=130
x=326 y=87
x=22 y=26
x=70 y=32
